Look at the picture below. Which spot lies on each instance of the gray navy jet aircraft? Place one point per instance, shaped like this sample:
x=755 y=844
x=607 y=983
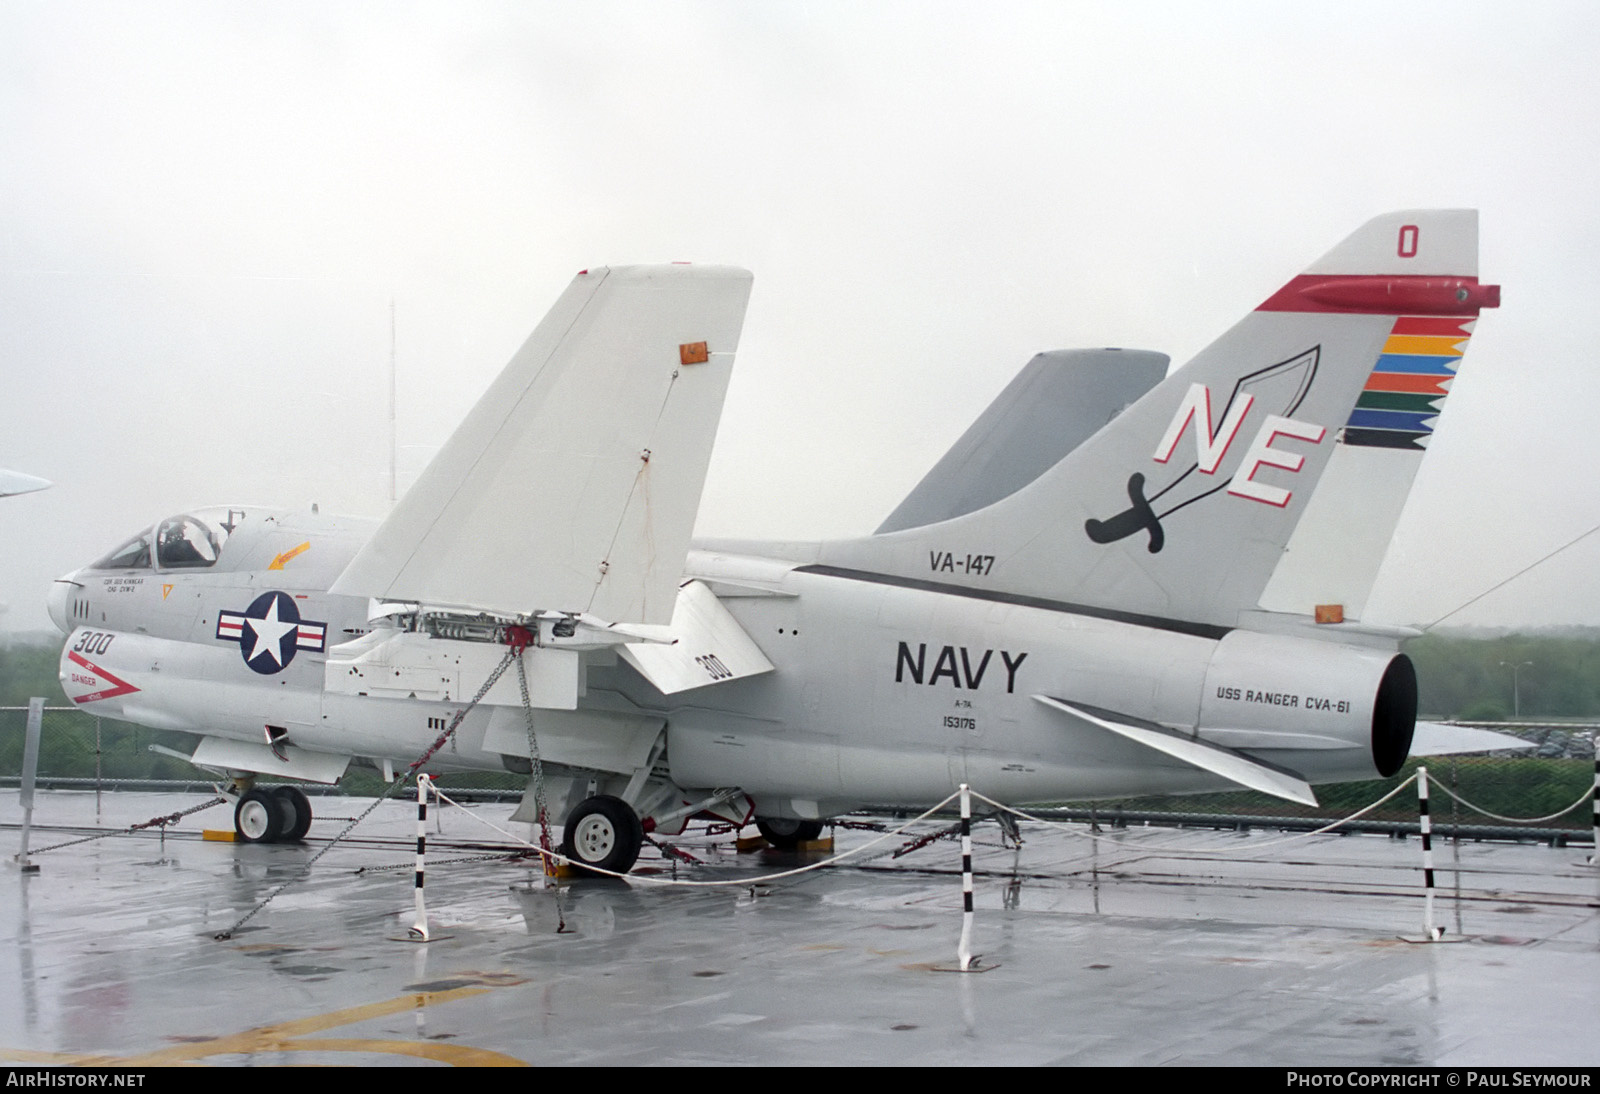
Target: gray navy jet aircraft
x=1117 y=583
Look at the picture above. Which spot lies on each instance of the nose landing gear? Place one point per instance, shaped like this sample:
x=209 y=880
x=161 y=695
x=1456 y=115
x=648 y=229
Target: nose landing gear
x=280 y=815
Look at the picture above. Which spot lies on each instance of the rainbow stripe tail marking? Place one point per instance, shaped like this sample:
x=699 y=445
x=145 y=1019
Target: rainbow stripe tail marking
x=1402 y=398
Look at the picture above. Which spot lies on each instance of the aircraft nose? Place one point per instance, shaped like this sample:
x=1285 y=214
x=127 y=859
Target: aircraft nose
x=60 y=596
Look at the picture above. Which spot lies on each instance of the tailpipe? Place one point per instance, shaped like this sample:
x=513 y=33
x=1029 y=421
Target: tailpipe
x=1394 y=715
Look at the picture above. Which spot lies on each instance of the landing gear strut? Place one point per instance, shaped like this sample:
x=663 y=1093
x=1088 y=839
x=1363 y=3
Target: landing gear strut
x=604 y=832
x=786 y=834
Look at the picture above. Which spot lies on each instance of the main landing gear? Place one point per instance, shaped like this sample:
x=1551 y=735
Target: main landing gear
x=786 y=834
x=279 y=815
x=603 y=832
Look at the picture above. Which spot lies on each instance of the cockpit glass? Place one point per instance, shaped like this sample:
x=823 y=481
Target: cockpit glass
x=132 y=555
x=188 y=541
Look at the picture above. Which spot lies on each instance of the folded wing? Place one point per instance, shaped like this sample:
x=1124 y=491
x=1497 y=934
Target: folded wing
x=572 y=485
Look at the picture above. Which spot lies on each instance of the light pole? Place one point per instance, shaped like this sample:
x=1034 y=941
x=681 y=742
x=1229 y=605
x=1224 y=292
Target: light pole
x=1516 y=695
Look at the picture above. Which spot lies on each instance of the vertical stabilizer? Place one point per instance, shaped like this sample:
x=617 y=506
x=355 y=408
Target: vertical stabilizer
x=1184 y=506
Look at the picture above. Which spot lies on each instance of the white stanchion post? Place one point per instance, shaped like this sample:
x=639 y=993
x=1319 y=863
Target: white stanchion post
x=965 y=949
x=419 y=929
x=1433 y=933
x=30 y=768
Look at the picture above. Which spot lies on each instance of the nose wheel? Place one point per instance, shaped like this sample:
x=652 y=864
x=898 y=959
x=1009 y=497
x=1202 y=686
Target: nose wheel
x=297 y=813
x=258 y=818
x=280 y=815
x=603 y=832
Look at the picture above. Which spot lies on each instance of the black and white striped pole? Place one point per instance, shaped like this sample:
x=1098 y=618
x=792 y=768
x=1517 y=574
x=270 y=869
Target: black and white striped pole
x=1433 y=933
x=419 y=929
x=1594 y=859
x=964 y=951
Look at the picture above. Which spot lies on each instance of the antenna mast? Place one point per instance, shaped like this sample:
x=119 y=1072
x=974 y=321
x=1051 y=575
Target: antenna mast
x=392 y=441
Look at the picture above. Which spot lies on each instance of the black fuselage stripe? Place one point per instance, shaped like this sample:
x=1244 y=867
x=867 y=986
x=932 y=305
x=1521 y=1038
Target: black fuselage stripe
x=1155 y=622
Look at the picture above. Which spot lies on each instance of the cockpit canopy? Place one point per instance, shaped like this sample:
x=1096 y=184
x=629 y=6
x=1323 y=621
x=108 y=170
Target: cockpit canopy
x=188 y=541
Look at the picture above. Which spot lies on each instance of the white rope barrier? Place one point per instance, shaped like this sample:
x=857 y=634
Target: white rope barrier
x=741 y=883
x=1433 y=932
x=1175 y=850
x=858 y=852
x=1519 y=820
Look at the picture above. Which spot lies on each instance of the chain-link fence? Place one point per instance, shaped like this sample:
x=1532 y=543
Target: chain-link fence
x=1546 y=788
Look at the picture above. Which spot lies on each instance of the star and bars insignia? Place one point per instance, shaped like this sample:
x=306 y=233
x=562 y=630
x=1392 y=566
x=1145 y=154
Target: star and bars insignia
x=269 y=632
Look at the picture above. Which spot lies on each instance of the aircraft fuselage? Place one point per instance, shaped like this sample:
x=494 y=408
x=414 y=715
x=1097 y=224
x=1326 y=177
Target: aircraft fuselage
x=885 y=690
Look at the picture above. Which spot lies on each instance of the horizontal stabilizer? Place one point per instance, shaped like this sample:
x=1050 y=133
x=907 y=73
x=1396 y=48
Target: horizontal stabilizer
x=293 y=763
x=707 y=646
x=1442 y=739
x=572 y=485
x=1233 y=766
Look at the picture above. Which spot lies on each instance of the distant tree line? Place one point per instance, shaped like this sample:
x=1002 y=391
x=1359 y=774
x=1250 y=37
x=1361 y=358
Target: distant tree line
x=1470 y=676
x=67 y=742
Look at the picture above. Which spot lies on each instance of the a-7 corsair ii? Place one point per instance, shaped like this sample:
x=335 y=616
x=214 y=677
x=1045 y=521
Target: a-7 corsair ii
x=1171 y=603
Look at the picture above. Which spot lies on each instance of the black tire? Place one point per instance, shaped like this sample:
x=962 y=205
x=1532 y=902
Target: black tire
x=296 y=813
x=259 y=817
x=786 y=834
x=603 y=832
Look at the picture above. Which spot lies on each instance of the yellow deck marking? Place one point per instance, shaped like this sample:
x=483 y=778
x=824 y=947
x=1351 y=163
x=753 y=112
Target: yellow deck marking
x=291 y=1037
x=65 y=1059
x=278 y=560
x=456 y=1055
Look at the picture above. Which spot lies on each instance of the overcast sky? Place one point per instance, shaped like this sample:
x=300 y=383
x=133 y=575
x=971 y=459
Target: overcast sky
x=206 y=209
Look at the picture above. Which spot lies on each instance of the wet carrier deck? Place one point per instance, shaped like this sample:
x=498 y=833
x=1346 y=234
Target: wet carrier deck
x=1109 y=952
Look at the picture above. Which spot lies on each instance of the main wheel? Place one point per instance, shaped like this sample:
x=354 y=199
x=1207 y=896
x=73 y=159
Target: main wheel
x=605 y=832
x=786 y=834
x=259 y=817
x=296 y=809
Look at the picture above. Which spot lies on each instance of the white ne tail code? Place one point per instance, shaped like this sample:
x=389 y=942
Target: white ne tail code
x=1262 y=453
x=1209 y=448
x=1212 y=448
